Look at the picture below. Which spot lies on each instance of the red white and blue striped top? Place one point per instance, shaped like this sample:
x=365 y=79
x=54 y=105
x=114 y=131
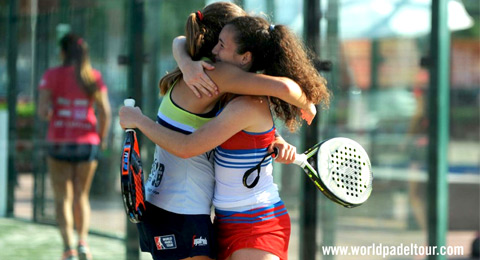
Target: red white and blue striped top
x=251 y=216
x=233 y=158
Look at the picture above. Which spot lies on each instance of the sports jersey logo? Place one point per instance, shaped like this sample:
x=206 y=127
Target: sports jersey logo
x=199 y=241
x=165 y=242
x=156 y=174
x=126 y=152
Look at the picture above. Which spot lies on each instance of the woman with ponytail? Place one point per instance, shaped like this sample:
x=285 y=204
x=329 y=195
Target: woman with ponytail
x=179 y=191
x=251 y=219
x=68 y=97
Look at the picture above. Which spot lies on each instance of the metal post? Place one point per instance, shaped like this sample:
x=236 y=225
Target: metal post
x=64 y=9
x=135 y=36
x=12 y=101
x=374 y=64
x=152 y=101
x=271 y=9
x=375 y=61
x=438 y=114
x=41 y=61
x=240 y=3
x=328 y=210
x=134 y=89
x=308 y=214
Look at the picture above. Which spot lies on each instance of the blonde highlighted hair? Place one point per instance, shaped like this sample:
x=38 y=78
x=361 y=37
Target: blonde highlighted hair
x=201 y=31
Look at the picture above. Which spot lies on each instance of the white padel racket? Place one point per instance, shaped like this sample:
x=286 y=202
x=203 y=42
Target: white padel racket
x=339 y=167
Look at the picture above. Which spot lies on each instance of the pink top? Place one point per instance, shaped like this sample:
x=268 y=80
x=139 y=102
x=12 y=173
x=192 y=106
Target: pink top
x=73 y=119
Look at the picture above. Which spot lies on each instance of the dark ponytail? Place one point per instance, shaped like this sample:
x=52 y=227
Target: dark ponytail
x=75 y=51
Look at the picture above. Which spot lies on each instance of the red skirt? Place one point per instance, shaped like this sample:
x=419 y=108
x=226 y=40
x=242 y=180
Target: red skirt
x=266 y=228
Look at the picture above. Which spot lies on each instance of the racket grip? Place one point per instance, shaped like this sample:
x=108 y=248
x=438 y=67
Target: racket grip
x=129 y=102
x=300 y=159
x=275 y=152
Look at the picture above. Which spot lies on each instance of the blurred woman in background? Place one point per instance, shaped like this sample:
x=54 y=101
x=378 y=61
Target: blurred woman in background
x=69 y=97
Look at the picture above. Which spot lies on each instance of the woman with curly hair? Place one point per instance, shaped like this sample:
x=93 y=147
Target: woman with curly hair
x=251 y=219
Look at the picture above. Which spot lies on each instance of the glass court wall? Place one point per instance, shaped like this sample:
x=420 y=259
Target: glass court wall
x=374 y=55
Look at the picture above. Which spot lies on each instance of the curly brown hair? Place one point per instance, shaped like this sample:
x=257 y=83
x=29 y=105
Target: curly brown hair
x=277 y=51
x=201 y=31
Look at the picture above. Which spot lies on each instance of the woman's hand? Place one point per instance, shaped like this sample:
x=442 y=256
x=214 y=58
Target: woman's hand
x=44 y=109
x=193 y=71
x=197 y=80
x=103 y=144
x=286 y=151
x=129 y=116
x=309 y=113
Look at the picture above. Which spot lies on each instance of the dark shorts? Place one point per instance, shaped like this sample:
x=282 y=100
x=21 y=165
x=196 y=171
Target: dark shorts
x=166 y=235
x=73 y=152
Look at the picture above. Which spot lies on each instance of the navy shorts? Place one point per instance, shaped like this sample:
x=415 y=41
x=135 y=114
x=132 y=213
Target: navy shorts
x=73 y=152
x=166 y=235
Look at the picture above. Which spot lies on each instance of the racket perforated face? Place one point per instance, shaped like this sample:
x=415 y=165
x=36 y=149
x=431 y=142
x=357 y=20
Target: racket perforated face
x=345 y=170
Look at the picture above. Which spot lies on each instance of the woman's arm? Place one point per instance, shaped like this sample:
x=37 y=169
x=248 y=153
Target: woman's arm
x=44 y=103
x=232 y=79
x=239 y=114
x=104 y=116
x=193 y=71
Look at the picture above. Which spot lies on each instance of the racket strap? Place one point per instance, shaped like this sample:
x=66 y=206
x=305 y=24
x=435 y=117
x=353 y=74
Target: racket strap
x=251 y=170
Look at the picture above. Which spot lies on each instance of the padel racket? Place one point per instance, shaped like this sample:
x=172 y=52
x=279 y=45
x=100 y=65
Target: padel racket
x=339 y=167
x=132 y=186
x=341 y=170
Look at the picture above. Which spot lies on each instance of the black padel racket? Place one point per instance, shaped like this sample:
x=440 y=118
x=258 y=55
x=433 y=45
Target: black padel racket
x=132 y=186
x=341 y=169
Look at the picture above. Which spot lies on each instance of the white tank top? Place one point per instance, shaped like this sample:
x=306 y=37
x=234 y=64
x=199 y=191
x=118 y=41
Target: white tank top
x=183 y=186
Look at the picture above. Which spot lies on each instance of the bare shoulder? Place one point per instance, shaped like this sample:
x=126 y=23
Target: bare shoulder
x=253 y=111
x=250 y=100
x=252 y=105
